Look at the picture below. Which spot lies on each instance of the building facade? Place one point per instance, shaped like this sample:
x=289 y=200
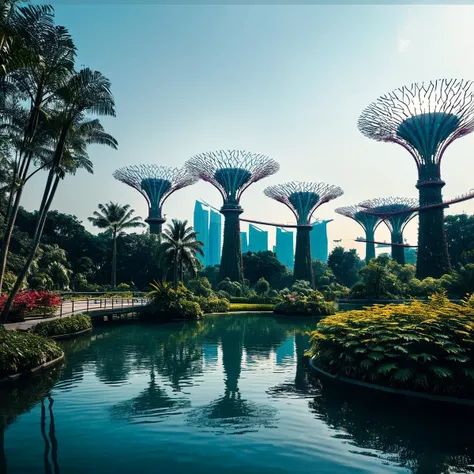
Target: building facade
x=244 y=243
x=285 y=248
x=215 y=238
x=208 y=224
x=258 y=239
x=201 y=226
x=319 y=240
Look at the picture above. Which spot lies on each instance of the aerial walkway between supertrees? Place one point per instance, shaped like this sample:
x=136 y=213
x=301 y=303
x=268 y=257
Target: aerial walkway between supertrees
x=401 y=211
x=368 y=222
x=425 y=119
x=303 y=198
x=396 y=213
x=231 y=172
x=156 y=184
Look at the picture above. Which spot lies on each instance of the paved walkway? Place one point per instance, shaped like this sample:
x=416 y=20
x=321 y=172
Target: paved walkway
x=69 y=308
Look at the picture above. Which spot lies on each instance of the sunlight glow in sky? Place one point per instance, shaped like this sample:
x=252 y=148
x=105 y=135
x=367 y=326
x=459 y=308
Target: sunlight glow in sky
x=286 y=81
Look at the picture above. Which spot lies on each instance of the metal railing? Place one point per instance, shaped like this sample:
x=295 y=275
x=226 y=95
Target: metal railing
x=79 y=305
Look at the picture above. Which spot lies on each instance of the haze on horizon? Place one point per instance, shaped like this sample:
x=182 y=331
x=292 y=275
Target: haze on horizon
x=286 y=81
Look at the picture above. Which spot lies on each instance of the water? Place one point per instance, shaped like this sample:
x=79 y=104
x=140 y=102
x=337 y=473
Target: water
x=228 y=394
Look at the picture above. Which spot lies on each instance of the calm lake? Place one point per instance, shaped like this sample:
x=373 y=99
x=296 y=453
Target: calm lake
x=228 y=394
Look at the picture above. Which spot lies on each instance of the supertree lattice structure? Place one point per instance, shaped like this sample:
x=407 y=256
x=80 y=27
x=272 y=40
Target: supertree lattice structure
x=425 y=119
x=396 y=213
x=231 y=172
x=368 y=222
x=156 y=184
x=303 y=198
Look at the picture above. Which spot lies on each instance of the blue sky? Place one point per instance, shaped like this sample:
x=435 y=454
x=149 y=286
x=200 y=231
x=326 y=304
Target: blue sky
x=286 y=81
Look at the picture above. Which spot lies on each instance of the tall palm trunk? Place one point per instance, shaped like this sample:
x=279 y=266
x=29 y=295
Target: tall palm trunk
x=35 y=244
x=114 y=259
x=25 y=158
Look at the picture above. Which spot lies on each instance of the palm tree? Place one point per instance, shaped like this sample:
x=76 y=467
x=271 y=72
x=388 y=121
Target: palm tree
x=179 y=248
x=115 y=219
x=46 y=60
x=73 y=157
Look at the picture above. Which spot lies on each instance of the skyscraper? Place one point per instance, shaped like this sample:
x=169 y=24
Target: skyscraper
x=258 y=239
x=201 y=226
x=319 y=240
x=284 y=248
x=215 y=238
x=208 y=225
x=244 y=242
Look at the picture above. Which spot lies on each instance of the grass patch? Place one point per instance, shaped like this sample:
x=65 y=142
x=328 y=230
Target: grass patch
x=251 y=307
x=20 y=351
x=63 y=326
x=420 y=346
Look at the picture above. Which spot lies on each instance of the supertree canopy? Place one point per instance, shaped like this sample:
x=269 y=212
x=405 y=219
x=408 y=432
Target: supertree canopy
x=303 y=198
x=368 y=222
x=231 y=172
x=425 y=118
x=396 y=212
x=155 y=183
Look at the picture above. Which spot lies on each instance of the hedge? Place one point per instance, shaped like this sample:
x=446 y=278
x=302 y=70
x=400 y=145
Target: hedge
x=21 y=351
x=251 y=307
x=62 y=326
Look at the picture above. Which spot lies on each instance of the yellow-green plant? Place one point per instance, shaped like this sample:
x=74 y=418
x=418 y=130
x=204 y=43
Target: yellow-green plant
x=423 y=346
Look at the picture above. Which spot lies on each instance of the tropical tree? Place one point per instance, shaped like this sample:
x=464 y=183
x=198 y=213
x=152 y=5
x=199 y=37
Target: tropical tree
x=115 y=219
x=47 y=60
x=68 y=156
x=179 y=249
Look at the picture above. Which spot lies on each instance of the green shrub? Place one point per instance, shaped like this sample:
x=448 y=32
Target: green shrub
x=251 y=307
x=168 y=303
x=212 y=304
x=255 y=300
x=61 y=326
x=20 y=351
x=422 y=346
x=312 y=305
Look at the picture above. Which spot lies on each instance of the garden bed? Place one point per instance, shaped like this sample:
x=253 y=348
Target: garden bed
x=25 y=353
x=62 y=328
x=422 y=347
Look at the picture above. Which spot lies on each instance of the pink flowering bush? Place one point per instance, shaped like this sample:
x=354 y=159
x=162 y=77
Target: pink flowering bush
x=32 y=303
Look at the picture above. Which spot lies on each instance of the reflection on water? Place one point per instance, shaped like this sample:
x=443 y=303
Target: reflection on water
x=137 y=397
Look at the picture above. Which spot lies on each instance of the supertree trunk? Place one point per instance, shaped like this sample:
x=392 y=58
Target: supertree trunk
x=369 y=246
x=432 y=258
x=303 y=269
x=231 y=260
x=398 y=252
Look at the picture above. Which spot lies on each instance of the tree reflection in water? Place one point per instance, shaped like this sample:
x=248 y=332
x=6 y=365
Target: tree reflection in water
x=21 y=397
x=50 y=441
x=424 y=437
x=231 y=413
x=152 y=405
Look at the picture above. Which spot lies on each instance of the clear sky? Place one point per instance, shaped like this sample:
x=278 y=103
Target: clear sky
x=286 y=81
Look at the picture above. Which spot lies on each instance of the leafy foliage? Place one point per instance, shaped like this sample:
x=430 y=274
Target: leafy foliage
x=308 y=304
x=345 y=265
x=61 y=326
x=32 y=302
x=427 y=347
x=251 y=307
x=20 y=351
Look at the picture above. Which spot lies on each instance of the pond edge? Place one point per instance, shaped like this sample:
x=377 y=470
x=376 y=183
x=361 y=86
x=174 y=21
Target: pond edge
x=34 y=370
x=393 y=391
x=70 y=335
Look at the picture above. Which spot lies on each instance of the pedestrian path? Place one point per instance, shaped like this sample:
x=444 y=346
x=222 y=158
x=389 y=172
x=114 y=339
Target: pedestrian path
x=69 y=308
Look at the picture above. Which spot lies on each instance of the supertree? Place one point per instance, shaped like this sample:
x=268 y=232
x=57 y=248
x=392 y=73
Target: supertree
x=396 y=213
x=368 y=222
x=424 y=119
x=303 y=198
x=156 y=184
x=231 y=172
